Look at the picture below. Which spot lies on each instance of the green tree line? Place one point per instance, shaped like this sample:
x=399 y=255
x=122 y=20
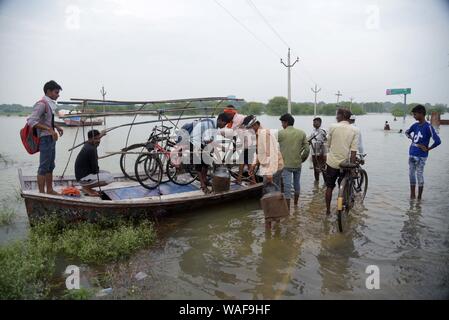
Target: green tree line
x=275 y=106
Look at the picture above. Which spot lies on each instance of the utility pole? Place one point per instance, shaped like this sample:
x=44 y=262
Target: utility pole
x=289 y=66
x=350 y=105
x=338 y=94
x=315 y=91
x=103 y=93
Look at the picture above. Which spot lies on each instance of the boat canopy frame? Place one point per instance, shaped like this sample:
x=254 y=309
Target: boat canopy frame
x=160 y=113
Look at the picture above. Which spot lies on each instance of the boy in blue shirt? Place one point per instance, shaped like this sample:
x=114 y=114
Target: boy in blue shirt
x=420 y=134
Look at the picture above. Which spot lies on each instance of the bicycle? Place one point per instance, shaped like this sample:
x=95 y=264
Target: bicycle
x=355 y=180
x=158 y=134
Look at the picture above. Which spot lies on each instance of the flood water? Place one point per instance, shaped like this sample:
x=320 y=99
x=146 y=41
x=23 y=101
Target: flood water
x=226 y=252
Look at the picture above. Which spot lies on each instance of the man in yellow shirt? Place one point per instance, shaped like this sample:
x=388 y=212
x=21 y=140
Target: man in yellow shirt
x=342 y=144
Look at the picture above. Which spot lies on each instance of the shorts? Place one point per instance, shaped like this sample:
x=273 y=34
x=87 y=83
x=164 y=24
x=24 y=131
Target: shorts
x=332 y=175
x=47 y=148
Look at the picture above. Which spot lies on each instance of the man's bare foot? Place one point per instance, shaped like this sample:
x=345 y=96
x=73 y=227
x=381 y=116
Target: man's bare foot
x=53 y=192
x=205 y=190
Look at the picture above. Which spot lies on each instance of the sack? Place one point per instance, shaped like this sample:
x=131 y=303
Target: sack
x=28 y=135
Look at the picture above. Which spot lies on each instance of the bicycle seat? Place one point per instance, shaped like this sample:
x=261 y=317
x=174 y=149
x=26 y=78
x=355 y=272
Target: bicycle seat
x=348 y=165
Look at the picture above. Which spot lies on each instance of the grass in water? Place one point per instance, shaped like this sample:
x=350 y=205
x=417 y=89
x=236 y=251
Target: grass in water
x=27 y=266
x=7 y=214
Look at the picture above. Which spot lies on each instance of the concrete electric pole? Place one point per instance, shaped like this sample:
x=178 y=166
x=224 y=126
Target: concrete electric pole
x=289 y=66
x=350 y=105
x=315 y=91
x=338 y=94
x=103 y=93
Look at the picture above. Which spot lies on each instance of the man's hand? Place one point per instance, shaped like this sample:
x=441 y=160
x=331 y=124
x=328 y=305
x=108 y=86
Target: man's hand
x=102 y=133
x=54 y=134
x=423 y=147
x=60 y=131
x=269 y=179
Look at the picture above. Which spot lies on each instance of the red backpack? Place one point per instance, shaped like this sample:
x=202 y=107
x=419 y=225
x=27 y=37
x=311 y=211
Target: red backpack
x=29 y=136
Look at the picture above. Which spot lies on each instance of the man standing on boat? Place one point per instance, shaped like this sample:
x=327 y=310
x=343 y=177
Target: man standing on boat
x=204 y=133
x=43 y=120
x=87 y=172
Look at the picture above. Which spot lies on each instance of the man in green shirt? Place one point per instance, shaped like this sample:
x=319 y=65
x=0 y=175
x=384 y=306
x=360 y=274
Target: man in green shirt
x=295 y=150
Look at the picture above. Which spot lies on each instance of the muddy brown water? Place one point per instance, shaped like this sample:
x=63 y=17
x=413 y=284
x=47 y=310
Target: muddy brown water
x=226 y=252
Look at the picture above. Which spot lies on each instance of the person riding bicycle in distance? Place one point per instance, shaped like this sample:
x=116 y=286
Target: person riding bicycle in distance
x=343 y=143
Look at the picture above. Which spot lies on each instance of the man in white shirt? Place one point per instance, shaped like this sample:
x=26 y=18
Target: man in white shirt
x=318 y=139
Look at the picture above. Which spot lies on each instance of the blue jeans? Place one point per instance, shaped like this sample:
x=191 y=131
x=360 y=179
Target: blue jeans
x=47 y=150
x=416 y=170
x=287 y=175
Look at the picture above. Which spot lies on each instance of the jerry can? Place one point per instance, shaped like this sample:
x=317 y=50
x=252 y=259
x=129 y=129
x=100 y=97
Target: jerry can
x=273 y=203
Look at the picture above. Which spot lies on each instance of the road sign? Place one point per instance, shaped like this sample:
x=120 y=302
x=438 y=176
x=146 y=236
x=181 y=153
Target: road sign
x=399 y=91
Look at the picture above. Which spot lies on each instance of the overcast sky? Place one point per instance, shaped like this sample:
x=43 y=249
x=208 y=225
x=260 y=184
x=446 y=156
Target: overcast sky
x=149 y=50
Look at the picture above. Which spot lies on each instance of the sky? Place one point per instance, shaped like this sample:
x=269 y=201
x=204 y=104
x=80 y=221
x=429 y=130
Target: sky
x=152 y=50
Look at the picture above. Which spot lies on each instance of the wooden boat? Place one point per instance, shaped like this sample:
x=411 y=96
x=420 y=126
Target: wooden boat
x=79 y=122
x=124 y=198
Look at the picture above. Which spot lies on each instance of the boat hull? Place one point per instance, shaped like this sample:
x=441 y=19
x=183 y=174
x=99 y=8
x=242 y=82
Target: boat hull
x=73 y=210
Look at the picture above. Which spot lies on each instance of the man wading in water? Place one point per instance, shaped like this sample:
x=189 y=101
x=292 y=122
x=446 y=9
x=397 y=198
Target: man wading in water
x=420 y=134
x=343 y=142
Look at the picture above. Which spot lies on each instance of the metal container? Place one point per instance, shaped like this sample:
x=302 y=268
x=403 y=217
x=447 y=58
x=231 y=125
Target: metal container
x=273 y=203
x=221 y=181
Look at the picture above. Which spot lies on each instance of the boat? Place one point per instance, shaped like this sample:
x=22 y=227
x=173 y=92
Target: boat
x=124 y=198
x=75 y=121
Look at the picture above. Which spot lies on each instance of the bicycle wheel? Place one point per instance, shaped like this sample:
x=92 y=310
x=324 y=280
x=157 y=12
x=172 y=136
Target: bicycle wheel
x=361 y=183
x=128 y=160
x=342 y=201
x=182 y=175
x=148 y=166
x=152 y=167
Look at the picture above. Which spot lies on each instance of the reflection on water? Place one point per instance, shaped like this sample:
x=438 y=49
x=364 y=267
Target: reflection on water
x=226 y=252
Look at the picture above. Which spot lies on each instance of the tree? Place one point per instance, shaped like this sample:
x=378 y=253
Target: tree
x=277 y=106
x=255 y=108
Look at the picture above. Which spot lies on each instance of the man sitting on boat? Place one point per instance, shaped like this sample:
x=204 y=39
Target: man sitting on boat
x=87 y=172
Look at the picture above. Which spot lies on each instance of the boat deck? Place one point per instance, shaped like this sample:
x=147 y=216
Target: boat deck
x=122 y=190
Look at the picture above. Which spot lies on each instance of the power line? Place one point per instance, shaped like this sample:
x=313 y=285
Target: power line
x=266 y=22
x=247 y=29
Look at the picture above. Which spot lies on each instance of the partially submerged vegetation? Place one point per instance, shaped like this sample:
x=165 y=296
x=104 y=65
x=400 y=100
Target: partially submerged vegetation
x=7 y=214
x=28 y=266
